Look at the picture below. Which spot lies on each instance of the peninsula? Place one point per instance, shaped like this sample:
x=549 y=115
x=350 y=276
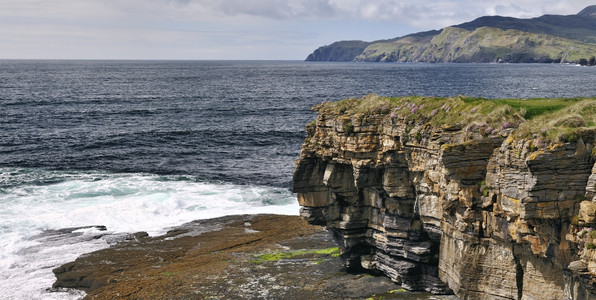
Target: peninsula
x=546 y=39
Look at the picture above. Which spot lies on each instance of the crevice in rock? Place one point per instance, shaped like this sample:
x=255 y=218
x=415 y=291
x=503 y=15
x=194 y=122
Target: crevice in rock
x=519 y=276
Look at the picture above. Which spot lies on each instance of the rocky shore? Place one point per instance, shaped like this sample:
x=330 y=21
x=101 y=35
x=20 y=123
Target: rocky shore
x=484 y=199
x=489 y=199
x=235 y=257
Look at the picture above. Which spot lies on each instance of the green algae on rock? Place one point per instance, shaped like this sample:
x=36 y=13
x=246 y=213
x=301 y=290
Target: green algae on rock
x=315 y=253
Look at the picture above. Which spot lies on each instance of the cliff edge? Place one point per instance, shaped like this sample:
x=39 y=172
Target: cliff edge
x=488 y=199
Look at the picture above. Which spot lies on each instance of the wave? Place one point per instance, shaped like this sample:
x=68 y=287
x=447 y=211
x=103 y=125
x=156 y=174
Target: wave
x=38 y=203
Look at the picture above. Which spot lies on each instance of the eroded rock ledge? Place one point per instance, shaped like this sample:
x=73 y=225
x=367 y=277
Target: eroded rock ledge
x=233 y=257
x=458 y=195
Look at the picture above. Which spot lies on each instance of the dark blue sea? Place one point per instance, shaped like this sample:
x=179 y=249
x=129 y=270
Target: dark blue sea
x=144 y=145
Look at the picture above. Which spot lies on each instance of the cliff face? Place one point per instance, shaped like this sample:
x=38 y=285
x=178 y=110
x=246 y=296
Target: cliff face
x=460 y=205
x=338 y=51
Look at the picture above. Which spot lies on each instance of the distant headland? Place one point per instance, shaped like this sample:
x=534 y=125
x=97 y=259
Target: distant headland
x=545 y=39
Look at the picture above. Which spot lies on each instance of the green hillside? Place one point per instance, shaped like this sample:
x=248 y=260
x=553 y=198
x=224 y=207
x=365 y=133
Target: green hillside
x=550 y=38
x=338 y=51
x=485 y=44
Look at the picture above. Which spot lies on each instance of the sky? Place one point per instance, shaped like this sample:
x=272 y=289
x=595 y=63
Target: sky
x=231 y=29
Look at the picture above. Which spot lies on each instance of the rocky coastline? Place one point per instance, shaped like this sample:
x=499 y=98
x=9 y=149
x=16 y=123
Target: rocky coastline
x=458 y=195
x=234 y=257
x=445 y=197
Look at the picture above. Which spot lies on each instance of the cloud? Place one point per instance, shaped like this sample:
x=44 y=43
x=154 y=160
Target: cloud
x=239 y=29
x=423 y=14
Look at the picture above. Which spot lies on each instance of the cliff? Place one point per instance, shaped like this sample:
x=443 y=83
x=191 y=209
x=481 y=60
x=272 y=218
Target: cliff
x=338 y=51
x=549 y=38
x=489 y=199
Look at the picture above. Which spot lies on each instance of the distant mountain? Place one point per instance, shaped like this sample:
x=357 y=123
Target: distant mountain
x=549 y=38
x=589 y=11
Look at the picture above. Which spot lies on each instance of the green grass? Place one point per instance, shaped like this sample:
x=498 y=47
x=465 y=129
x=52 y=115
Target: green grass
x=537 y=107
x=564 y=124
x=556 y=119
x=449 y=110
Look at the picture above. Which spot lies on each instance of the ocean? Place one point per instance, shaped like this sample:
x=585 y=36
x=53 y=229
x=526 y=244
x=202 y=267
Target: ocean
x=94 y=149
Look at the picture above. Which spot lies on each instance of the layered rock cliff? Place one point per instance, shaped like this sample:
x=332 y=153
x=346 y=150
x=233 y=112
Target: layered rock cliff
x=458 y=195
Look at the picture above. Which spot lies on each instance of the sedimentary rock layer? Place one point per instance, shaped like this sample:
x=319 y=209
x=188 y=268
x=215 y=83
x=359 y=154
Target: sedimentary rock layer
x=466 y=205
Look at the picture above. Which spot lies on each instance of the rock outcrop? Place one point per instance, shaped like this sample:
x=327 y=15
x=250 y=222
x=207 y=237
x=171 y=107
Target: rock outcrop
x=233 y=257
x=477 y=204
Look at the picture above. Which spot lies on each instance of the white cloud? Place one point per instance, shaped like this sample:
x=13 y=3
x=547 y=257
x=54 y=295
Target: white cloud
x=256 y=29
x=412 y=12
x=418 y=13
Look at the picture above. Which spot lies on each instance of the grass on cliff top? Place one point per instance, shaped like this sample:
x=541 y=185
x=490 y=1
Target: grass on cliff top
x=547 y=117
x=562 y=123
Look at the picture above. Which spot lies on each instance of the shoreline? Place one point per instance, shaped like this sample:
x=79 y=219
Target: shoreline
x=241 y=256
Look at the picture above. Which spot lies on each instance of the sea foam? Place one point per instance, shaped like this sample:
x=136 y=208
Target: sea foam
x=50 y=217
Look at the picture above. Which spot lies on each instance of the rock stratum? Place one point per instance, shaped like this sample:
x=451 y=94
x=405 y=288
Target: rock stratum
x=546 y=39
x=488 y=199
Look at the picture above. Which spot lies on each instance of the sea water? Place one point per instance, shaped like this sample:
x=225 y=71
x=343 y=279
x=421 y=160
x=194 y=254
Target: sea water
x=54 y=216
x=93 y=150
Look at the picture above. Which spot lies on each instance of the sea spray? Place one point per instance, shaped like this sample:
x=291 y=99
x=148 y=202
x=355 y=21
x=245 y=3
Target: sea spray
x=52 y=217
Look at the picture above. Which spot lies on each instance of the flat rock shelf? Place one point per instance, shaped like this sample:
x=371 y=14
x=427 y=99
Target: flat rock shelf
x=234 y=257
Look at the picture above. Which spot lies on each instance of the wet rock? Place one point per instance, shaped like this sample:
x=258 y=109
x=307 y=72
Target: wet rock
x=282 y=257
